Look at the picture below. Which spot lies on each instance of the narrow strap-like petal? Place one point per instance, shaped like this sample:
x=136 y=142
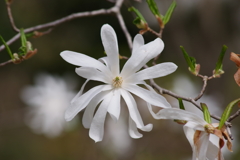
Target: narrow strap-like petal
x=156 y=71
x=202 y=145
x=93 y=74
x=89 y=111
x=115 y=104
x=109 y=40
x=105 y=61
x=81 y=102
x=133 y=131
x=143 y=54
x=133 y=111
x=175 y=113
x=212 y=152
x=138 y=41
x=80 y=92
x=96 y=131
x=149 y=96
x=189 y=133
x=83 y=60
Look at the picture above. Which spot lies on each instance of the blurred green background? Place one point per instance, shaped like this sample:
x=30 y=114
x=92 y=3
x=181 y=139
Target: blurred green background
x=201 y=26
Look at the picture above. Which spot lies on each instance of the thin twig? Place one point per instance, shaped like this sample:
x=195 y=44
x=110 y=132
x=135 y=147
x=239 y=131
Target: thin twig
x=5 y=63
x=9 y=11
x=191 y=100
x=232 y=117
x=154 y=32
x=205 y=79
x=66 y=19
x=158 y=35
x=123 y=26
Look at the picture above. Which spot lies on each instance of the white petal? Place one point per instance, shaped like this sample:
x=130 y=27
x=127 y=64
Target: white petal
x=149 y=96
x=142 y=56
x=212 y=151
x=89 y=111
x=115 y=106
x=175 y=113
x=83 y=60
x=202 y=145
x=133 y=132
x=138 y=41
x=96 y=131
x=189 y=132
x=80 y=92
x=133 y=111
x=200 y=148
x=81 y=102
x=105 y=61
x=93 y=74
x=156 y=71
x=195 y=126
x=109 y=40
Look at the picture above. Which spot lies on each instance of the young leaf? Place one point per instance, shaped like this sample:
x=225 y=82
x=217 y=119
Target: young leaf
x=206 y=113
x=7 y=48
x=169 y=12
x=218 y=69
x=181 y=106
x=133 y=9
x=220 y=58
x=140 y=22
x=190 y=60
x=23 y=37
x=227 y=112
x=153 y=7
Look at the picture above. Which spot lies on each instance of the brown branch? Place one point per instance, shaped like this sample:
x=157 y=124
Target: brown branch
x=60 y=21
x=189 y=99
x=9 y=11
x=5 y=63
x=235 y=115
x=116 y=10
x=158 y=35
x=205 y=79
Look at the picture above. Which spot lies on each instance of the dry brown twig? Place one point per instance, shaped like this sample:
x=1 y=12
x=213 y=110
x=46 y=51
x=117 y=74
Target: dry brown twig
x=113 y=10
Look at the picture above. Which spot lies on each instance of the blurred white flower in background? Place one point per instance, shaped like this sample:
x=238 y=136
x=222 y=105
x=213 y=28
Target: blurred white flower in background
x=47 y=101
x=118 y=141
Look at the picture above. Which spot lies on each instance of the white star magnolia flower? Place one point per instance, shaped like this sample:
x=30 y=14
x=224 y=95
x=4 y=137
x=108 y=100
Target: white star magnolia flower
x=117 y=84
x=47 y=102
x=197 y=131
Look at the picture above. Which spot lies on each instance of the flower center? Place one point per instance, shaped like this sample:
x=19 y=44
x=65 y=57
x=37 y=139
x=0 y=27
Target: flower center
x=209 y=128
x=117 y=82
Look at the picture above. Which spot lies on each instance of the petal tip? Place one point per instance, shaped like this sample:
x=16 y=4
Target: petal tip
x=68 y=116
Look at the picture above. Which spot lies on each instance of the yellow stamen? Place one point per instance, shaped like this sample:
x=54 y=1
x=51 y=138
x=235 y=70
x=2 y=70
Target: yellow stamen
x=117 y=82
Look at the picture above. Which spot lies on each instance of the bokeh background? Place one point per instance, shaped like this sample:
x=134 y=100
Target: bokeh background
x=201 y=26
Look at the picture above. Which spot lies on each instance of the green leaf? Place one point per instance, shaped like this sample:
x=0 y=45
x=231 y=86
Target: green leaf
x=190 y=60
x=169 y=12
x=218 y=68
x=139 y=23
x=133 y=9
x=206 y=113
x=153 y=7
x=23 y=37
x=7 y=48
x=23 y=48
x=227 y=112
x=181 y=106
